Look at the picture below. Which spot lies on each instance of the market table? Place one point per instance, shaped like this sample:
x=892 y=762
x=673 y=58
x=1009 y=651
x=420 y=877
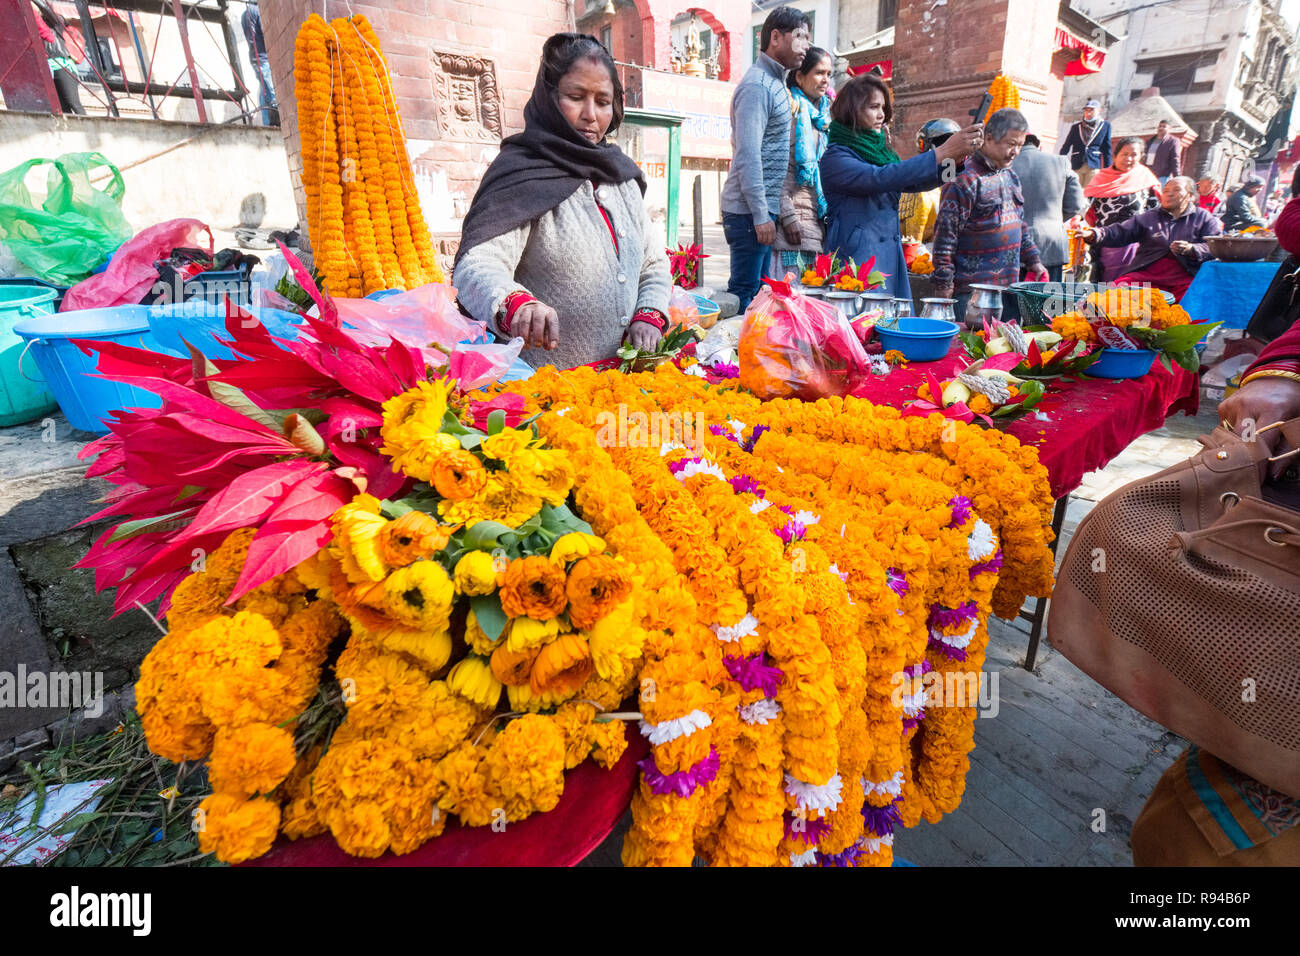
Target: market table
x=593 y=802
x=1228 y=292
x=1087 y=423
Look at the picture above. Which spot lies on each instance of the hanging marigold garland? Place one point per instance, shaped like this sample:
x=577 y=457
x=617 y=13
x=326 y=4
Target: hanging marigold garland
x=362 y=208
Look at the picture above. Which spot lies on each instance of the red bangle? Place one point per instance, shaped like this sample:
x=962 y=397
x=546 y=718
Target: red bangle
x=510 y=305
x=652 y=317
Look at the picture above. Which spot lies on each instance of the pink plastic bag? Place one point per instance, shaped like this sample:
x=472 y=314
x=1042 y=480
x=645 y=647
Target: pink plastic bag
x=130 y=276
x=425 y=314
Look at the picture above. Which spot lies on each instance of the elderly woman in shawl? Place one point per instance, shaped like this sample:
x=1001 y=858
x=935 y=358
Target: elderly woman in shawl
x=1118 y=193
x=557 y=247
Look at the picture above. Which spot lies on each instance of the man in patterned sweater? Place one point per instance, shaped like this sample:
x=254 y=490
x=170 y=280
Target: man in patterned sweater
x=981 y=235
x=760 y=150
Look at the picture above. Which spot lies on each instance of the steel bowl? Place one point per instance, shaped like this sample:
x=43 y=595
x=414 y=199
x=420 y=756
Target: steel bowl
x=1241 y=248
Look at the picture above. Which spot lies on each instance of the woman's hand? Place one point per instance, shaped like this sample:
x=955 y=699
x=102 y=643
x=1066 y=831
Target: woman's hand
x=1037 y=273
x=1259 y=404
x=792 y=233
x=643 y=336
x=961 y=144
x=1180 y=248
x=1086 y=232
x=537 y=324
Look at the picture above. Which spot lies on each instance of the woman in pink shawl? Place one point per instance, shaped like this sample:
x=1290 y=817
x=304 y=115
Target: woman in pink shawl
x=1118 y=193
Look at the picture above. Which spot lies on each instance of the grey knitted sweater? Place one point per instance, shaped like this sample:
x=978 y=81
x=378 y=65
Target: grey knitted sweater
x=760 y=142
x=566 y=259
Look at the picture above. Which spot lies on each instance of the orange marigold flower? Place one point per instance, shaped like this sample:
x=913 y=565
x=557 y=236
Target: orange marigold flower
x=251 y=759
x=237 y=829
x=533 y=587
x=562 y=666
x=513 y=667
x=413 y=536
x=459 y=475
x=597 y=584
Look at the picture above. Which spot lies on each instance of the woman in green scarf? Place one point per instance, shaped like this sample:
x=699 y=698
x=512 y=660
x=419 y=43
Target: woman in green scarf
x=863 y=177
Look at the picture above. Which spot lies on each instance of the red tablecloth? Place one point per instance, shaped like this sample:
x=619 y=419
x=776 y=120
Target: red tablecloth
x=1089 y=422
x=594 y=801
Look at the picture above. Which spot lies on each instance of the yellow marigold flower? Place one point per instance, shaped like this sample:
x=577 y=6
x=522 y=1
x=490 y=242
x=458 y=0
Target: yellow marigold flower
x=500 y=500
x=513 y=667
x=535 y=587
x=458 y=474
x=526 y=765
x=467 y=793
x=525 y=698
x=356 y=539
x=980 y=405
x=176 y=740
x=570 y=547
x=413 y=536
x=542 y=474
x=420 y=595
x=236 y=829
x=251 y=759
x=525 y=632
x=472 y=679
x=810 y=277
x=432 y=649
x=614 y=639
x=562 y=666
x=596 y=585
x=508 y=443
x=476 y=574
x=425 y=405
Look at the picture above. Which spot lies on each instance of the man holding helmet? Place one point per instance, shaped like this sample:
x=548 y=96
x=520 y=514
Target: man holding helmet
x=917 y=211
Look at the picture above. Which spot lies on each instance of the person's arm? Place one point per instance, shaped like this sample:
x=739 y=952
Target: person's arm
x=1067 y=145
x=749 y=122
x=485 y=278
x=954 y=210
x=1198 y=250
x=1121 y=234
x=1104 y=144
x=656 y=281
x=789 y=215
x=844 y=172
x=1073 y=201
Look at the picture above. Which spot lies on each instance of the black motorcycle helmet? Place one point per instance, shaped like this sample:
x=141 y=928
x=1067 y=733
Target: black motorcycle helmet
x=934 y=133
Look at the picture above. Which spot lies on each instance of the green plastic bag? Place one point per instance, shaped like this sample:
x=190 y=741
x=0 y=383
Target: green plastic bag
x=75 y=229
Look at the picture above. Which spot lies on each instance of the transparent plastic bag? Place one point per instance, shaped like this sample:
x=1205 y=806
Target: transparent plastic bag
x=419 y=317
x=683 y=309
x=793 y=346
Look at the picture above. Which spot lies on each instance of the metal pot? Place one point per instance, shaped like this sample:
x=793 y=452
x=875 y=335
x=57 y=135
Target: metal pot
x=985 y=305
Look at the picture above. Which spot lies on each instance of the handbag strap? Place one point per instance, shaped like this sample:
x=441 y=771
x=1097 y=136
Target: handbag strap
x=1287 y=534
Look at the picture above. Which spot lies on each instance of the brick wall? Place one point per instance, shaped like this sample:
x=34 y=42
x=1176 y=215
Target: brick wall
x=946 y=56
x=448 y=163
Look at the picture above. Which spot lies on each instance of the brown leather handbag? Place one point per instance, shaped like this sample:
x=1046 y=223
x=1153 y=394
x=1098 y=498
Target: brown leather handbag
x=1180 y=594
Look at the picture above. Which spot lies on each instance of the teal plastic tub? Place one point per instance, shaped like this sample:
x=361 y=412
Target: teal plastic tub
x=22 y=399
x=86 y=400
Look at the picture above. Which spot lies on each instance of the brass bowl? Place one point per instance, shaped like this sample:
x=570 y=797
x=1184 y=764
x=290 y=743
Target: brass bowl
x=1241 y=248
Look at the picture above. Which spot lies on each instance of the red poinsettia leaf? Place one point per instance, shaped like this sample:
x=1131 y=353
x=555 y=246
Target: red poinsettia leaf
x=323 y=302
x=822 y=265
x=936 y=388
x=864 y=270
x=251 y=496
x=297 y=528
x=1003 y=362
x=1034 y=357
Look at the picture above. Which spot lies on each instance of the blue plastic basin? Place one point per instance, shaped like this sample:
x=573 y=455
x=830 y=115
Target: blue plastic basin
x=920 y=340
x=1123 y=363
x=87 y=401
x=201 y=324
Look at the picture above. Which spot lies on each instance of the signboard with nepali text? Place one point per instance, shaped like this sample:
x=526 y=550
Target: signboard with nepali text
x=706 y=131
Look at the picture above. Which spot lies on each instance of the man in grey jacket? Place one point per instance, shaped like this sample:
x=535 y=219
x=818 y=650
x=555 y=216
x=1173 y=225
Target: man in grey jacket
x=1052 y=195
x=760 y=150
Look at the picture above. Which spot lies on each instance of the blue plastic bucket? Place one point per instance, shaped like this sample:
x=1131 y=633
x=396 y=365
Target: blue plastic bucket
x=920 y=340
x=201 y=323
x=85 y=400
x=21 y=398
x=1122 y=363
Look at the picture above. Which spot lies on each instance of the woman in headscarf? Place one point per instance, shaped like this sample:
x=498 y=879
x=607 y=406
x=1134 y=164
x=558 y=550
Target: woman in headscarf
x=863 y=178
x=803 y=204
x=557 y=247
x=1117 y=194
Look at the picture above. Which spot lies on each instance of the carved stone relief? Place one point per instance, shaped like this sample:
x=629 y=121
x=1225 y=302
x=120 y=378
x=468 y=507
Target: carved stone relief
x=469 y=102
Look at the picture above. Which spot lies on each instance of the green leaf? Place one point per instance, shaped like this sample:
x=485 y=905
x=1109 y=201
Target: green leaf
x=496 y=421
x=130 y=529
x=453 y=425
x=562 y=521
x=229 y=395
x=515 y=535
x=489 y=614
x=395 y=509
x=471 y=441
x=1188 y=359
x=485 y=535
x=974 y=344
